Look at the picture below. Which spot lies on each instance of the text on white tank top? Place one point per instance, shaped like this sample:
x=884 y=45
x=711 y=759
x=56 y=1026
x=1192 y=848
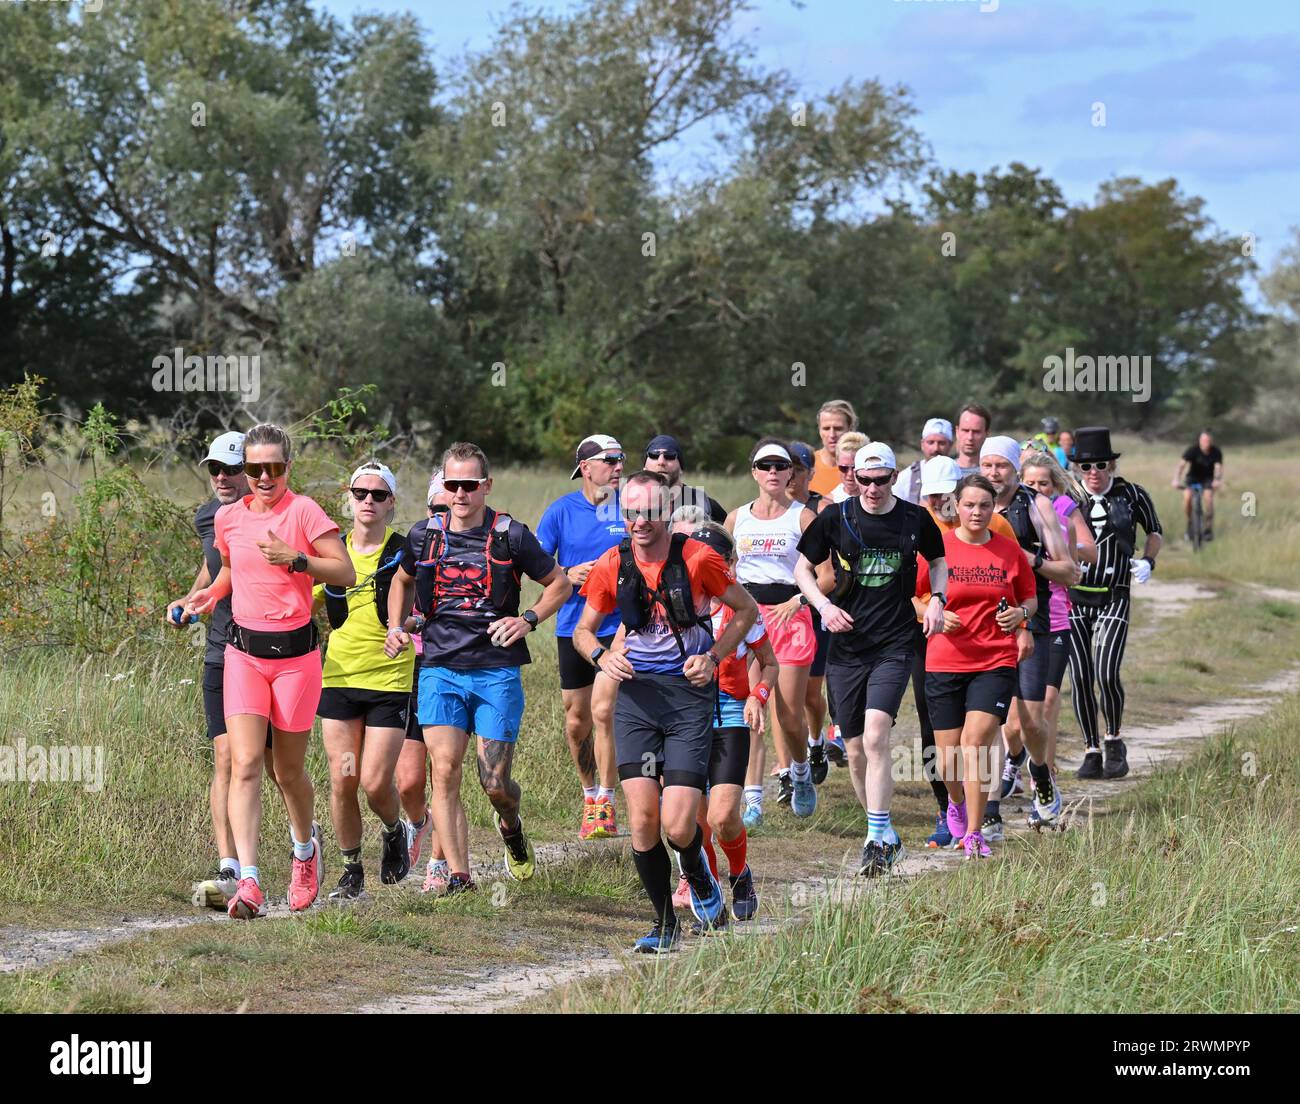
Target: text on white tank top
x=766 y=551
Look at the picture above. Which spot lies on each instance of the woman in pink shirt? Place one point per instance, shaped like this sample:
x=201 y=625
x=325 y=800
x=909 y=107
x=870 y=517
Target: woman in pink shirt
x=274 y=543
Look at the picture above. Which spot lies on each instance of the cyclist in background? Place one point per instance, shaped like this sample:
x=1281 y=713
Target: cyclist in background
x=1201 y=466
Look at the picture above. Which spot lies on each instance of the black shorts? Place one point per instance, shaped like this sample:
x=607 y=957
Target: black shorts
x=1031 y=676
x=874 y=681
x=664 y=726
x=823 y=635
x=952 y=694
x=1058 y=657
x=214 y=702
x=576 y=673
x=380 y=708
x=729 y=759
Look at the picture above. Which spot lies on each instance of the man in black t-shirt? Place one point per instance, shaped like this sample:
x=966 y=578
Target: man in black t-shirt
x=664 y=455
x=1201 y=465
x=473 y=648
x=873 y=540
x=225 y=464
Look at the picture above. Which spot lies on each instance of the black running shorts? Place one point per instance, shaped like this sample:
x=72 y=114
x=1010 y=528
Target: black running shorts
x=1058 y=659
x=951 y=695
x=729 y=759
x=576 y=673
x=380 y=708
x=664 y=726
x=875 y=681
x=1031 y=675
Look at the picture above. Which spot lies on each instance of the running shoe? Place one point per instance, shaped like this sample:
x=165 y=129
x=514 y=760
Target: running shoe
x=744 y=900
x=660 y=940
x=991 y=829
x=304 y=883
x=817 y=761
x=395 y=863
x=752 y=818
x=682 y=894
x=588 y=825
x=248 y=902
x=836 y=752
x=1047 y=804
x=606 y=822
x=521 y=864
x=216 y=890
x=784 y=788
x=803 y=798
x=436 y=878
x=1116 y=759
x=878 y=857
x=706 y=898
x=352 y=885
x=975 y=846
x=956 y=819
x=1091 y=767
x=460 y=883
x=1012 y=786
x=940 y=837
x=418 y=837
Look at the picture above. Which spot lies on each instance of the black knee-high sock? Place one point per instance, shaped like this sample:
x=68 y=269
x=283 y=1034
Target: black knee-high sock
x=656 y=869
x=692 y=855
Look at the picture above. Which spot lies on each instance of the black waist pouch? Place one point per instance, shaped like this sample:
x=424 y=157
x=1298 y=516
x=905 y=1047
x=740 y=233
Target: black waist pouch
x=281 y=645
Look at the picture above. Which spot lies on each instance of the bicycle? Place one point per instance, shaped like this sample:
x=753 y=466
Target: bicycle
x=1196 y=526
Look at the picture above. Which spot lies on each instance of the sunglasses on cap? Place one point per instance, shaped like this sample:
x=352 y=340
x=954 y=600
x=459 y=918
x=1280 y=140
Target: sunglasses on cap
x=273 y=470
x=469 y=486
x=216 y=468
x=661 y=454
x=359 y=493
x=1100 y=465
x=772 y=465
x=872 y=480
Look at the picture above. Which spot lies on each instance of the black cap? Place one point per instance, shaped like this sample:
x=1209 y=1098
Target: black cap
x=1050 y=425
x=720 y=542
x=664 y=441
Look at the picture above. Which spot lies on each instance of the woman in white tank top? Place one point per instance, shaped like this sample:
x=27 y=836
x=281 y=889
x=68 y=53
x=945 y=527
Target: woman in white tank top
x=767 y=533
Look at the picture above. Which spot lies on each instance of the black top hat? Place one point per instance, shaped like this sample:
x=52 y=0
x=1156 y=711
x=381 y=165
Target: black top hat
x=1092 y=443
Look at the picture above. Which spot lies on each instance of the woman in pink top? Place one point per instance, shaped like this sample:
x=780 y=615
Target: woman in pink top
x=276 y=543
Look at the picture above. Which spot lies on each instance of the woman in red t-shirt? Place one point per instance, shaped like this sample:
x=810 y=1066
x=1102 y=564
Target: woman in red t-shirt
x=970 y=667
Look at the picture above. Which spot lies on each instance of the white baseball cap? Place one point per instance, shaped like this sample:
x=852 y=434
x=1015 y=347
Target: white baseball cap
x=1006 y=447
x=595 y=445
x=226 y=449
x=874 y=454
x=772 y=449
x=938 y=425
x=939 y=475
x=374 y=467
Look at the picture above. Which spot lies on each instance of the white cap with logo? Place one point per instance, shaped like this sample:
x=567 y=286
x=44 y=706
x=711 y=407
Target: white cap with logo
x=938 y=425
x=874 y=454
x=374 y=467
x=939 y=475
x=227 y=449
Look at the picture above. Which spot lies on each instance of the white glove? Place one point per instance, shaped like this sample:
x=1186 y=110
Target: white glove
x=1141 y=569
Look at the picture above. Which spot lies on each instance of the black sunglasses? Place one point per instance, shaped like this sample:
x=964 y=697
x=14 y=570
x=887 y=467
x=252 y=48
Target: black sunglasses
x=359 y=493
x=612 y=459
x=1100 y=465
x=844 y=468
x=873 y=480
x=216 y=468
x=661 y=454
x=273 y=470
x=773 y=465
x=631 y=515
x=469 y=486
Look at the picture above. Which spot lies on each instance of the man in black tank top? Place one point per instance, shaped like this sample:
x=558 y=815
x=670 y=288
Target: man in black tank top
x=1033 y=520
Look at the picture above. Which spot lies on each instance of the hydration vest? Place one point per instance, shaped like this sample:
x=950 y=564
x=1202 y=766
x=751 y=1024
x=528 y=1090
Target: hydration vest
x=336 y=602
x=503 y=583
x=1119 y=517
x=1022 y=524
x=908 y=539
x=637 y=599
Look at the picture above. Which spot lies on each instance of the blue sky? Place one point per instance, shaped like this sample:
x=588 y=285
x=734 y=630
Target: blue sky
x=1199 y=90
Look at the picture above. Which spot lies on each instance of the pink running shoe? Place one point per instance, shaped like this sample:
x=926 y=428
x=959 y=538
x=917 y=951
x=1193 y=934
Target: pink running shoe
x=975 y=846
x=417 y=840
x=589 y=812
x=682 y=895
x=248 y=902
x=956 y=819
x=304 y=884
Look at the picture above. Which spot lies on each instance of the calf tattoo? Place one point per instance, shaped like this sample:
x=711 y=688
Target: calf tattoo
x=494 y=759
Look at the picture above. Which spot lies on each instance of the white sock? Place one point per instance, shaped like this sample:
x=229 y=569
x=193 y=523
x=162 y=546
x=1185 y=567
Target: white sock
x=302 y=851
x=800 y=772
x=603 y=793
x=251 y=872
x=821 y=739
x=590 y=791
x=754 y=796
x=229 y=864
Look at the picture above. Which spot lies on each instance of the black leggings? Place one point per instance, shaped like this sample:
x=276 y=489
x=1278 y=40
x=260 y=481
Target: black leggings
x=1098 y=635
x=929 y=753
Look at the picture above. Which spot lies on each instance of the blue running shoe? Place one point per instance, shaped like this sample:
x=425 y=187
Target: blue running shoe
x=940 y=837
x=659 y=940
x=803 y=802
x=706 y=898
x=753 y=818
x=744 y=899
x=836 y=752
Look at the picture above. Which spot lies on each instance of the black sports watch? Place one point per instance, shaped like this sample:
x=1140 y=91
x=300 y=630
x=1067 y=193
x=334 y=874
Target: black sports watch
x=943 y=598
x=803 y=599
x=596 y=654
x=531 y=617
x=299 y=562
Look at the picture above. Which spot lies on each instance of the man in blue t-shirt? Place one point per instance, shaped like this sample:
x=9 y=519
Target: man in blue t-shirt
x=577 y=529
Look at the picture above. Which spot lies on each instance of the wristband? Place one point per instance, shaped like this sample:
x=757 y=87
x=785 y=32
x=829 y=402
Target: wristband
x=761 y=692
x=713 y=658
